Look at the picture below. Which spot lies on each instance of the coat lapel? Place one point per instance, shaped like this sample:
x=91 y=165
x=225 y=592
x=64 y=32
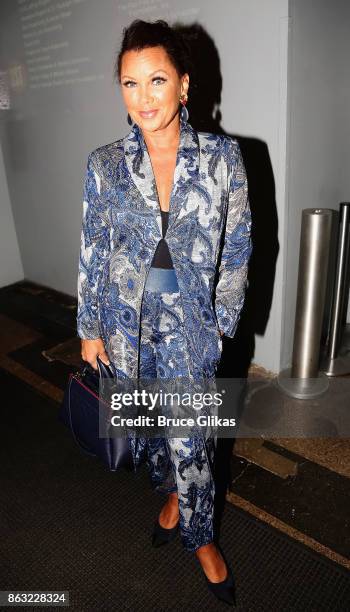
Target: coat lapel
x=186 y=170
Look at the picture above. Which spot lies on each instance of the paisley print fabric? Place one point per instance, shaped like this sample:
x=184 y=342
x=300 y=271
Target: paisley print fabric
x=156 y=334
x=184 y=465
x=209 y=228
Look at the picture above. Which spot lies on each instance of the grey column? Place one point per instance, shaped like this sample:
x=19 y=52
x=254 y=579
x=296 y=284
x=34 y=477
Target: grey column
x=303 y=379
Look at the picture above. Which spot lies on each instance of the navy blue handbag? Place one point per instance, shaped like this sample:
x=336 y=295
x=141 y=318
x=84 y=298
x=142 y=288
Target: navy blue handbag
x=80 y=412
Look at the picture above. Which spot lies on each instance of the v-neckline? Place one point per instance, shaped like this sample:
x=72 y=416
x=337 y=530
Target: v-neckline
x=141 y=172
x=154 y=176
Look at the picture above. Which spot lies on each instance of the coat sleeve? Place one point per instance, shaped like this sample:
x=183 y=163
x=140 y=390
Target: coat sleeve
x=236 y=251
x=94 y=250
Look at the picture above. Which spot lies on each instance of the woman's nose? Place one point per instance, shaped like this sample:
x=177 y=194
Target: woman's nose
x=146 y=96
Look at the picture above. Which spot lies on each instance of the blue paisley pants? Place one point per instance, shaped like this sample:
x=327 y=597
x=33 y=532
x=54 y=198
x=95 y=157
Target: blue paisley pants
x=176 y=464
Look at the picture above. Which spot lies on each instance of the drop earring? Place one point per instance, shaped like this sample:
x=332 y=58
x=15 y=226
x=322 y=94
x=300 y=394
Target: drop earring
x=129 y=119
x=184 y=112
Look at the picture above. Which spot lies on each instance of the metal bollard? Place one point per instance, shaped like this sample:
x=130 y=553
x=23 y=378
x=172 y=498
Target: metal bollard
x=303 y=380
x=336 y=362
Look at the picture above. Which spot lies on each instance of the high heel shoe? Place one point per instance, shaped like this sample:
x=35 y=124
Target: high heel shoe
x=224 y=590
x=162 y=536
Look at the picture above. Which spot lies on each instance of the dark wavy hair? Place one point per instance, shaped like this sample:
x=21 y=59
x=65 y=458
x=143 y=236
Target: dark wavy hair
x=142 y=34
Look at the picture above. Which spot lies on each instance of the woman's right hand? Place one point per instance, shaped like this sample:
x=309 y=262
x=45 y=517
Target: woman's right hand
x=90 y=349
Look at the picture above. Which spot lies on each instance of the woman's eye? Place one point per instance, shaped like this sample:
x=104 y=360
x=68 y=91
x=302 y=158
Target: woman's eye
x=159 y=79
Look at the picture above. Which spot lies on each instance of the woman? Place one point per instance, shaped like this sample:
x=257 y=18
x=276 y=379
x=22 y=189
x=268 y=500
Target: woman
x=145 y=303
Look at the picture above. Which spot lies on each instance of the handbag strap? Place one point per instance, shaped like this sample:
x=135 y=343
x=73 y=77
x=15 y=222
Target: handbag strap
x=71 y=423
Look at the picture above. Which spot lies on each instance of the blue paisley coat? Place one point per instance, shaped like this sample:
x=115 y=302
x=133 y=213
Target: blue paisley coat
x=209 y=226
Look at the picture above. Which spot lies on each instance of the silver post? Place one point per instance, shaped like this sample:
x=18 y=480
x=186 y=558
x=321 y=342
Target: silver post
x=303 y=380
x=336 y=361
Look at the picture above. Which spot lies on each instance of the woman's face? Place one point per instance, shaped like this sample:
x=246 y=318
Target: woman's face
x=149 y=82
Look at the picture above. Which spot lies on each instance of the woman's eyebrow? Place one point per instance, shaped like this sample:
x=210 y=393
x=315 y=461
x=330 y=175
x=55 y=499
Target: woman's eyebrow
x=124 y=76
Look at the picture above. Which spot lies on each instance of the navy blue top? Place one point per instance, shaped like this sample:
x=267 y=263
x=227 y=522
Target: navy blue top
x=162 y=257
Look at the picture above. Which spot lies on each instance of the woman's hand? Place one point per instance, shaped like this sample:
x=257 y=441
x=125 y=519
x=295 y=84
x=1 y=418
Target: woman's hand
x=90 y=349
x=221 y=332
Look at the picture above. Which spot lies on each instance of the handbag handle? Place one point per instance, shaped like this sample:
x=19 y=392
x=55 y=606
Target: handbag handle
x=103 y=369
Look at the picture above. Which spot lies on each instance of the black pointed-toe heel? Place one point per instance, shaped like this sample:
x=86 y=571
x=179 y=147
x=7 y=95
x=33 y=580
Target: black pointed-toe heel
x=162 y=536
x=224 y=590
